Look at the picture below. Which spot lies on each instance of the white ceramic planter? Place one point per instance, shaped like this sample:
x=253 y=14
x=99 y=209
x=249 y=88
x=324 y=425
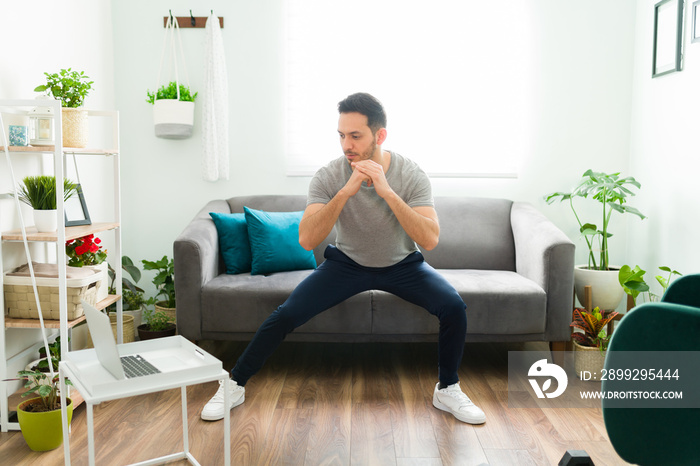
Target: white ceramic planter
x=45 y=221
x=607 y=291
x=173 y=119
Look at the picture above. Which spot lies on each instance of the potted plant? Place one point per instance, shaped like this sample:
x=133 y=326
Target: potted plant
x=633 y=283
x=591 y=344
x=612 y=193
x=71 y=88
x=158 y=324
x=42 y=364
x=87 y=252
x=165 y=285
x=39 y=192
x=133 y=299
x=40 y=418
x=173 y=110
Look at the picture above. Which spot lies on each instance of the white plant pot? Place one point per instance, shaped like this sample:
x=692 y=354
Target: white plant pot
x=607 y=291
x=45 y=221
x=173 y=119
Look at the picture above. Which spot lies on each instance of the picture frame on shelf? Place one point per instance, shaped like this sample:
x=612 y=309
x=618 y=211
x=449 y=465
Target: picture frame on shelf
x=668 y=37
x=75 y=209
x=696 y=22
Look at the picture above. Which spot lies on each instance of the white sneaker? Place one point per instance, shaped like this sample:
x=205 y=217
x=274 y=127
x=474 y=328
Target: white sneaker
x=454 y=401
x=214 y=409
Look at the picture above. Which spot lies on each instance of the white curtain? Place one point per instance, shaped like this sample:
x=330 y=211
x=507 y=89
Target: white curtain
x=215 y=157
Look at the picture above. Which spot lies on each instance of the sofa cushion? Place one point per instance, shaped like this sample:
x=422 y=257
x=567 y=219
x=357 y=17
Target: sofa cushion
x=240 y=303
x=274 y=242
x=233 y=241
x=475 y=233
x=498 y=302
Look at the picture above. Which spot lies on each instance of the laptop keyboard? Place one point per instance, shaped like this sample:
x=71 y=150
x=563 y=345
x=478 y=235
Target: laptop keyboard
x=136 y=366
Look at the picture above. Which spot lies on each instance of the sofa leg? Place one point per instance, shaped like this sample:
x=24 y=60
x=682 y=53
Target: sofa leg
x=557 y=348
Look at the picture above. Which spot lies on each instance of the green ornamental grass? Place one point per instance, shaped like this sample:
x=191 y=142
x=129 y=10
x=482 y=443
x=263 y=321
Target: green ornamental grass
x=39 y=192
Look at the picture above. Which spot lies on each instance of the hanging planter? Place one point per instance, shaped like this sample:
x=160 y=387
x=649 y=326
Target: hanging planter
x=173 y=105
x=173 y=119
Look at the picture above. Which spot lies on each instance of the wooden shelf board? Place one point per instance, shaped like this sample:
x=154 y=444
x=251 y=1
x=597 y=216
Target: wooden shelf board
x=66 y=150
x=71 y=232
x=11 y=322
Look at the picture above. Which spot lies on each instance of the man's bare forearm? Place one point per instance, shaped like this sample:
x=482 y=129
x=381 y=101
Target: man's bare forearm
x=317 y=223
x=422 y=227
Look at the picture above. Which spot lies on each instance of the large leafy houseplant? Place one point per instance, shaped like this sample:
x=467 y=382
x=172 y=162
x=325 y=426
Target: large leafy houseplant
x=612 y=193
x=39 y=192
x=70 y=87
x=132 y=295
x=632 y=281
x=164 y=279
x=593 y=326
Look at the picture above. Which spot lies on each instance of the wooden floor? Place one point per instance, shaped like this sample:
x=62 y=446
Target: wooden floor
x=338 y=404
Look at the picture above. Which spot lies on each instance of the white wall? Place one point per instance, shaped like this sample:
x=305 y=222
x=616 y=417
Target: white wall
x=664 y=154
x=583 y=60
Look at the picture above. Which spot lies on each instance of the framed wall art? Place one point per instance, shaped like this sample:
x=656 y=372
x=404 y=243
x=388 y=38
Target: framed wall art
x=668 y=37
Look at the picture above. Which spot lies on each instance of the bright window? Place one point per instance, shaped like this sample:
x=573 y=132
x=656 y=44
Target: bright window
x=454 y=78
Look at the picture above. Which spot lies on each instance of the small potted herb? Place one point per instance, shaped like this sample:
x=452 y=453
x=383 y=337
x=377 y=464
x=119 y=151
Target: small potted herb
x=173 y=111
x=158 y=324
x=164 y=282
x=71 y=88
x=39 y=192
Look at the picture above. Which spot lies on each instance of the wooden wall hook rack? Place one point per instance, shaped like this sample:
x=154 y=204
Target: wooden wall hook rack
x=185 y=22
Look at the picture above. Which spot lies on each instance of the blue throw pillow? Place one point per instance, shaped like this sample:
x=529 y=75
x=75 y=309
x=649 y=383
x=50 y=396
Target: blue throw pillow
x=274 y=242
x=233 y=241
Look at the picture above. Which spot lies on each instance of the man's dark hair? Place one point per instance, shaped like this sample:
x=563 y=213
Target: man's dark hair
x=366 y=105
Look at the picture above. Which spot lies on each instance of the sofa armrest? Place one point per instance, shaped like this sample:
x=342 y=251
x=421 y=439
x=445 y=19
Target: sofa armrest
x=197 y=261
x=545 y=255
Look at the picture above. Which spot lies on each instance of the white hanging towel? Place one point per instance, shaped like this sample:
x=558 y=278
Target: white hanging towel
x=215 y=163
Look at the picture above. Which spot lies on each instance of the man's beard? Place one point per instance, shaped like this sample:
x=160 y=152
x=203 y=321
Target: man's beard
x=368 y=154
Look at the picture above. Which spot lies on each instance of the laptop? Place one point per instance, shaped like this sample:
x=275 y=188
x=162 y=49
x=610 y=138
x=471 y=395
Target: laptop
x=129 y=366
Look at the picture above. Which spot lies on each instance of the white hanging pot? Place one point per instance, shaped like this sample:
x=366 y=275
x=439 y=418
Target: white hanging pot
x=173 y=119
x=45 y=221
x=605 y=285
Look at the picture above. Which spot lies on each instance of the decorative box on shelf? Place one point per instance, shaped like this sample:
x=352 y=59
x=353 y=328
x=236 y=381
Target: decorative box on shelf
x=82 y=283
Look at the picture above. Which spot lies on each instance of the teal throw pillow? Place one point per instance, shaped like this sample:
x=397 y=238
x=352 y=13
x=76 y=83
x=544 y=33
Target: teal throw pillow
x=274 y=242
x=233 y=241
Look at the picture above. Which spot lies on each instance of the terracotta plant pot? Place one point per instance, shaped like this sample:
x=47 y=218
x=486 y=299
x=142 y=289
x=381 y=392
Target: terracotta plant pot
x=42 y=430
x=145 y=334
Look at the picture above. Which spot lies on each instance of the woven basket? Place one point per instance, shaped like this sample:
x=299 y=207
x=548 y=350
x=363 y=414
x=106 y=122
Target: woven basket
x=21 y=304
x=75 y=127
x=169 y=311
x=588 y=358
x=127 y=328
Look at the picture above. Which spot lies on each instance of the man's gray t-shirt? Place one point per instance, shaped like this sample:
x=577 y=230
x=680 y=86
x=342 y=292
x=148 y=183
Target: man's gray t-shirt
x=367 y=230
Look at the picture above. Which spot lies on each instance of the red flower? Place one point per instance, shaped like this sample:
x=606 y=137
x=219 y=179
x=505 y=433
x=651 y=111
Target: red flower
x=98 y=240
x=93 y=248
x=80 y=250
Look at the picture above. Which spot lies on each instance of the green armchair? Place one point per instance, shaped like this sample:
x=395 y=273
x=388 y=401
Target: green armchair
x=657 y=436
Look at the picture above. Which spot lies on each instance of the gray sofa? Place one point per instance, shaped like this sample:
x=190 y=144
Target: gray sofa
x=510 y=264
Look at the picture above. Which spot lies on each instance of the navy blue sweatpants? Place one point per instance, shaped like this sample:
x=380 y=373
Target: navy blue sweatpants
x=337 y=279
